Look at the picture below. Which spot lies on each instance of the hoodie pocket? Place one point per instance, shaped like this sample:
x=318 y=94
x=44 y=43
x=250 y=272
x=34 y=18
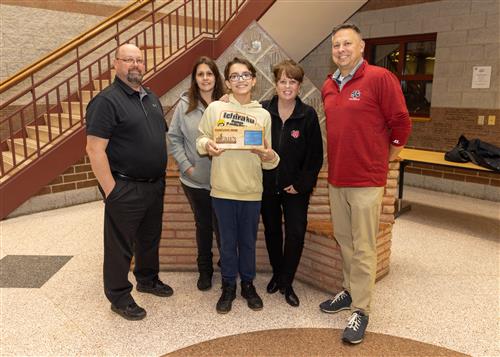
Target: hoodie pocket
x=201 y=171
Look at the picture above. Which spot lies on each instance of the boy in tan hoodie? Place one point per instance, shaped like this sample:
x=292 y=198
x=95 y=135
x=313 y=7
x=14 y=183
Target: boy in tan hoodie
x=236 y=181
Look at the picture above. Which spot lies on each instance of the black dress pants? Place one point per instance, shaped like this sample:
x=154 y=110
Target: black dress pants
x=206 y=225
x=285 y=258
x=132 y=227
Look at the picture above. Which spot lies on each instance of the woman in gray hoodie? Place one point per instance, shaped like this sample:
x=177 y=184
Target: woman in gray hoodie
x=206 y=86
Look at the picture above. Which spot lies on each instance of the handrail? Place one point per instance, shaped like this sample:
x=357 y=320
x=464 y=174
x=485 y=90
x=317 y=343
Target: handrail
x=52 y=104
x=42 y=118
x=73 y=44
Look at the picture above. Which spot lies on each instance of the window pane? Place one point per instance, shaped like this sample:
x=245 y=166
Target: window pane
x=420 y=57
x=386 y=56
x=418 y=97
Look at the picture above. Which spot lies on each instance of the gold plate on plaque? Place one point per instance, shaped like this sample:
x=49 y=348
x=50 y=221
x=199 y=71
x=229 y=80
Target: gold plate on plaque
x=239 y=137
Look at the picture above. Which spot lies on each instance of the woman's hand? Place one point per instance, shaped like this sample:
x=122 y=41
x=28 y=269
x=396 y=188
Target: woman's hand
x=224 y=98
x=213 y=149
x=290 y=189
x=190 y=171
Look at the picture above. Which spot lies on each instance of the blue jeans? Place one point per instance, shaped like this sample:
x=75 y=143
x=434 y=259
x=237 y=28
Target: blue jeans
x=238 y=224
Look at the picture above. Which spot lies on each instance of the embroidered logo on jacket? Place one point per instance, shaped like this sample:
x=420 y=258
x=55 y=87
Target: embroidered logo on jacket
x=355 y=95
x=295 y=134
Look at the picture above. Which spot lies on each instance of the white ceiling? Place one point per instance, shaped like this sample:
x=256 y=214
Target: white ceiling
x=300 y=25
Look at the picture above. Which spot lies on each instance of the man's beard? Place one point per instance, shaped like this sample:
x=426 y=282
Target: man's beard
x=134 y=78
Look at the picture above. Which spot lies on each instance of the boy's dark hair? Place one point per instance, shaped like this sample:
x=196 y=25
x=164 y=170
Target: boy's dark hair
x=239 y=60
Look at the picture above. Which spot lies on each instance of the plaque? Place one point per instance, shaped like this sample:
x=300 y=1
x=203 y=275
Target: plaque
x=239 y=137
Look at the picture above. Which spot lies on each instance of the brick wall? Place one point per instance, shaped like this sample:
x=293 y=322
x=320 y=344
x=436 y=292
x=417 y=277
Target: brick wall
x=321 y=258
x=77 y=176
x=447 y=124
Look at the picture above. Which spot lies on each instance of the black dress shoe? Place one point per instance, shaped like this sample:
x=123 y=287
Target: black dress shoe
x=156 y=287
x=291 y=298
x=204 y=281
x=272 y=287
x=131 y=312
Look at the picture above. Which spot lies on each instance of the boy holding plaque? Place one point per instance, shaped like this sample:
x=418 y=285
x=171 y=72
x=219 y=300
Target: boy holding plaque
x=237 y=135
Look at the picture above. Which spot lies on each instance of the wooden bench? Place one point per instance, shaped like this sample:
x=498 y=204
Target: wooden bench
x=426 y=157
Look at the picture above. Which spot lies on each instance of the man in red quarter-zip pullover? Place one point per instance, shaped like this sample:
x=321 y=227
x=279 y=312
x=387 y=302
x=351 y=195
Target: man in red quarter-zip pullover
x=367 y=126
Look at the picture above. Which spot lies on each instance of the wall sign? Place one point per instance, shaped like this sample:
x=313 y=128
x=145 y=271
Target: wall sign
x=481 y=76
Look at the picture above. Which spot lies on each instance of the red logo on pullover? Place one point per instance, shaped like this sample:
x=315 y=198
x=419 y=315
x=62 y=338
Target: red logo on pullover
x=295 y=134
x=355 y=95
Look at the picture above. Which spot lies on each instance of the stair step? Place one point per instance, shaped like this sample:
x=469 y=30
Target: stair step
x=75 y=107
x=8 y=161
x=43 y=132
x=100 y=84
x=87 y=95
x=66 y=120
x=19 y=146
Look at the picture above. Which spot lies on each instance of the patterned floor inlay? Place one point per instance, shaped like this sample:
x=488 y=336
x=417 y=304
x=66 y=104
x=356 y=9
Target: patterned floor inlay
x=310 y=342
x=29 y=271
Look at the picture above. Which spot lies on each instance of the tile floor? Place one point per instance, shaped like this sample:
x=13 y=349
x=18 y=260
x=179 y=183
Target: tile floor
x=443 y=288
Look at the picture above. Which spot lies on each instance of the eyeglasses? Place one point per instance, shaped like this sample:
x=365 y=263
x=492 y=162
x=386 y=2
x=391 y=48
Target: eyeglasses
x=131 y=60
x=245 y=76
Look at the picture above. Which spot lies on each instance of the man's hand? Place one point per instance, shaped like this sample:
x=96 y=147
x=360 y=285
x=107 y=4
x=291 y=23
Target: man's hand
x=394 y=152
x=108 y=190
x=96 y=149
x=212 y=148
x=266 y=154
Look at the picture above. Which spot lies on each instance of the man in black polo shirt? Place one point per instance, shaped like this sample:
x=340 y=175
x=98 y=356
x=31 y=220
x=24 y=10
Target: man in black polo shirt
x=127 y=150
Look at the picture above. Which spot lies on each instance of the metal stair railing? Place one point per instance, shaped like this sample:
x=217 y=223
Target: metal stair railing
x=46 y=102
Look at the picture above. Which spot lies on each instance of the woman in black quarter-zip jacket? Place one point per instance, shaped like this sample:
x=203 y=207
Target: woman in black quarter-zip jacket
x=296 y=137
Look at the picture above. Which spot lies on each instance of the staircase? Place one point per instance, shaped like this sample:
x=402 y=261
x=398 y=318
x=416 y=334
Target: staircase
x=43 y=107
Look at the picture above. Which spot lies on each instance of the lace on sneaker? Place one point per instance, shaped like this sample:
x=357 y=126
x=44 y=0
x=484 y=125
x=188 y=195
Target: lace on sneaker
x=354 y=321
x=340 y=296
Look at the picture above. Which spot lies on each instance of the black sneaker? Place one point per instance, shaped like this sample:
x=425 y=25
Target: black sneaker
x=156 y=287
x=341 y=301
x=132 y=312
x=356 y=327
x=204 y=281
x=253 y=299
x=226 y=299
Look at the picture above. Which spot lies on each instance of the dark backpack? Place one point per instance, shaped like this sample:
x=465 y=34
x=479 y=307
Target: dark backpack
x=477 y=151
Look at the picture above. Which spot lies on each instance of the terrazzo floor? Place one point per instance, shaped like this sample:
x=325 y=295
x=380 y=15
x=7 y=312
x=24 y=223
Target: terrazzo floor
x=443 y=289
